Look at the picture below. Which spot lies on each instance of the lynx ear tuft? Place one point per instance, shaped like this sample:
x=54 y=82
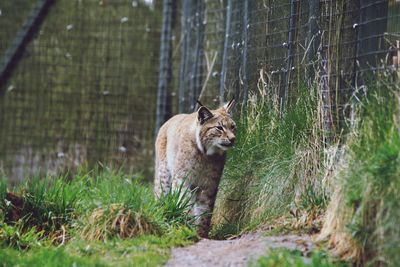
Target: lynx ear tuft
x=204 y=114
x=228 y=106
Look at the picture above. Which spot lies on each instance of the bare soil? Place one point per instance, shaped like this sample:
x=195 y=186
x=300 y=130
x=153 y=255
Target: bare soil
x=16 y=203
x=236 y=252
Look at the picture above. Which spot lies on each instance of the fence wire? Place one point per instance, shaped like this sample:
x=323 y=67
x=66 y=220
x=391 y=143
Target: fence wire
x=83 y=90
x=94 y=82
x=284 y=46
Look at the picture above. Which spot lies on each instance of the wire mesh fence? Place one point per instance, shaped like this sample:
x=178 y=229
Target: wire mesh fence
x=232 y=48
x=83 y=89
x=92 y=85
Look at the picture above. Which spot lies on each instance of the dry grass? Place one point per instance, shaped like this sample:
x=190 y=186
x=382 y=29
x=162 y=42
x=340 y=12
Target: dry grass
x=361 y=223
x=117 y=221
x=334 y=231
x=275 y=168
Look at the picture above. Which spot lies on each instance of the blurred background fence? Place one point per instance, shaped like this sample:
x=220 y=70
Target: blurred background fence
x=88 y=81
x=82 y=88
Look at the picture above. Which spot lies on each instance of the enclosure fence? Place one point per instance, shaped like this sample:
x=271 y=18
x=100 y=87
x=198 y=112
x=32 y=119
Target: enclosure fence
x=236 y=48
x=89 y=82
x=82 y=85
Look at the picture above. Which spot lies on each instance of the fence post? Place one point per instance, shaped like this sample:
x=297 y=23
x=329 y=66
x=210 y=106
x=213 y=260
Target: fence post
x=197 y=68
x=225 y=51
x=165 y=64
x=184 y=50
x=245 y=41
x=325 y=97
x=292 y=32
x=313 y=38
x=22 y=38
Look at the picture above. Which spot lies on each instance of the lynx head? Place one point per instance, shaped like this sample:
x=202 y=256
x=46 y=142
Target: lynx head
x=215 y=129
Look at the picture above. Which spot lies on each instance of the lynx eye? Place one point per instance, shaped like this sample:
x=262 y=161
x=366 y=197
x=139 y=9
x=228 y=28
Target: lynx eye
x=219 y=128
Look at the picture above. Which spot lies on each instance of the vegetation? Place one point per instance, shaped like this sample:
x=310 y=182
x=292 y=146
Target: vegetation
x=97 y=218
x=279 y=178
x=276 y=162
x=362 y=219
x=289 y=258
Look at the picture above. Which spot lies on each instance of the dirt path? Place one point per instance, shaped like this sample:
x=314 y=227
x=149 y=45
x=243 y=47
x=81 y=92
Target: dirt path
x=236 y=252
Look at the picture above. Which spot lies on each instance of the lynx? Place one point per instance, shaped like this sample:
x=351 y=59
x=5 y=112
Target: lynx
x=191 y=150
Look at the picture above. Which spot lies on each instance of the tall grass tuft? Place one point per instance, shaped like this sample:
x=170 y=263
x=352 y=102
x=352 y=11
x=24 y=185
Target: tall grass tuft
x=277 y=157
x=96 y=205
x=117 y=220
x=94 y=218
x=176 y=206
x=114 y=204
x=363 y=216
x=49 y=204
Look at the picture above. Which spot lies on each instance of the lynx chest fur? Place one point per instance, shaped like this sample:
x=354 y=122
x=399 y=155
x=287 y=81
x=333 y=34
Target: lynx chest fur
x=191 y=149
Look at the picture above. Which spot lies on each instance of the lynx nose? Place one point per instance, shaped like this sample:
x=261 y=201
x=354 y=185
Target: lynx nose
x=232 y=140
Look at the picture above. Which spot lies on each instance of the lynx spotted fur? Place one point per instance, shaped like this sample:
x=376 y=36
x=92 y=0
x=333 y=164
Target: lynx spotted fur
x=191 y=149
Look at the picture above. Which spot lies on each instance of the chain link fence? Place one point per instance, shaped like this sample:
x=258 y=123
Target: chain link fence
x=89 y=83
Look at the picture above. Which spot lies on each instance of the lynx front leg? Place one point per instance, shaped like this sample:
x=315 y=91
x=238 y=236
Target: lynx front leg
x=202 y=210
x=162 y=181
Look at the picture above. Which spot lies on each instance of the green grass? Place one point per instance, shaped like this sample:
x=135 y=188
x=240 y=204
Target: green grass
x=97 y=218
x=17 y=236
x=371 y=181
x=294 y=258
x=276 y=175
x=145 y=250
x=44 y=257
x=274 y=159
x=175 y=206
x=49 y=203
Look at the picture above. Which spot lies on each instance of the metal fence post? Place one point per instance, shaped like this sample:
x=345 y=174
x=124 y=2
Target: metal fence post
x=165 y=64
x=325 y=97
x=289 y=64
x=22 y=38
x=184 y=49
x=313 y=38
x=197 y=68
x=225 y=51
x=245 y=41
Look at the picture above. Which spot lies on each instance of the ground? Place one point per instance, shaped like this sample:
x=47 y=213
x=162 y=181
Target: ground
x=236 y=252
